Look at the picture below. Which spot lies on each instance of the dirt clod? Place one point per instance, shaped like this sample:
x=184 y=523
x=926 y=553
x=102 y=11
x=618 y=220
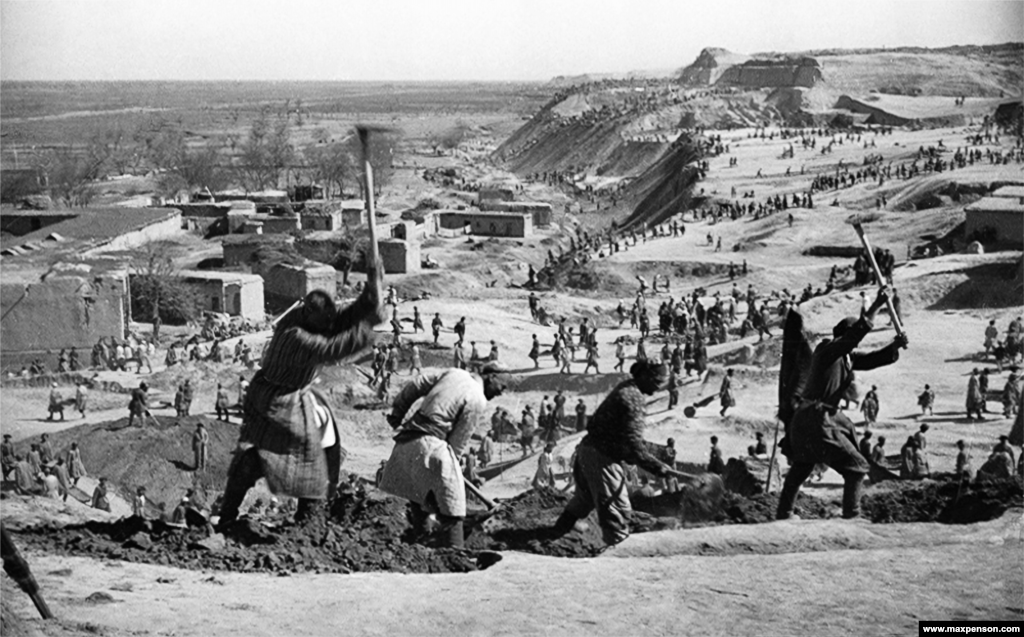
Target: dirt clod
x=99 y=597
x=369 y=531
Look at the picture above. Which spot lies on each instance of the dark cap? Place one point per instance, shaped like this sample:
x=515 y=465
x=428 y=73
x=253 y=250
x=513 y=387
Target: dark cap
x=649 y=368
x=842 y=326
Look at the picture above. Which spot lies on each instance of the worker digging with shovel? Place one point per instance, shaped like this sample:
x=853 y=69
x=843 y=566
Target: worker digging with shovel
x=614 y=438
x=424 y=465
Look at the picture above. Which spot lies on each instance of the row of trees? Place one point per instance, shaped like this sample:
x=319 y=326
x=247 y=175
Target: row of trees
x=265 y=157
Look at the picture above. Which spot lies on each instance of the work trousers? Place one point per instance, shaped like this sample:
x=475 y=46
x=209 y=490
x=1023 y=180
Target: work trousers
x=601 y=484
x=800 y=471
x=450 y=529
x=245 y=470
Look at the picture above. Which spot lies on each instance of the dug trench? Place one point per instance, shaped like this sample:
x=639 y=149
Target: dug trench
x=363 y=529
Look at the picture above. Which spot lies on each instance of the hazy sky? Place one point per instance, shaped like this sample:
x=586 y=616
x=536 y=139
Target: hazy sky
x=454 y=39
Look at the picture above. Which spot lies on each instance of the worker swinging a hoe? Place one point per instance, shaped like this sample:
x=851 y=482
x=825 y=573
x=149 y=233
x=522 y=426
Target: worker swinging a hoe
x=288 y=433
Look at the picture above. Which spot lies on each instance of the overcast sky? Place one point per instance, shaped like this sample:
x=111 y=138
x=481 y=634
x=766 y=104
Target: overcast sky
x=454 y=39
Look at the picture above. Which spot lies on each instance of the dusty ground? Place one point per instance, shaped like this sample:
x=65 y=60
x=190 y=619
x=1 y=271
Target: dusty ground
x=822 y=576
x=873 y=580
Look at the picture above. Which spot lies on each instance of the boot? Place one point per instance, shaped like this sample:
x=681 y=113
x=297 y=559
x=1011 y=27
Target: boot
x=791 y=488
x=452 y=534
x=229 y=507
x=306 y=509
x=851 y=495
x=242 y=475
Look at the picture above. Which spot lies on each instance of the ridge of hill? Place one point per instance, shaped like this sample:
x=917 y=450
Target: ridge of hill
x=952 y=71
x=614 y=130
x=560 y=81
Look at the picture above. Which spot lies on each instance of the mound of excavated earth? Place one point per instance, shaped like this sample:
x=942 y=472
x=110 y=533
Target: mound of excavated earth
x=369 y=531
x=158 y=457
x=360 y=531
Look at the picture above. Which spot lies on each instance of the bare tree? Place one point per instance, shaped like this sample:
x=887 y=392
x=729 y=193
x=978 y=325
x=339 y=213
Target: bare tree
x=160 y=141
x=280 y=150
x=329 y=164
x=255 y=165
x=115 y=148
x=266 y=151
x=383 y=147
x=70 y=173
x=194 y=169
x=182 y=164
x=157 y=290
x=16 y=185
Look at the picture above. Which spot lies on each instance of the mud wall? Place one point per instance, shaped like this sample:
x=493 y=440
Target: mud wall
x=205 y=210
x=166 y=228
x=291 y=283
x=495 y=194
x=1008 y=227
x=399 y=256
x=236 y=295
x=540 y=211
x=493 y=224
x=60 y=312
x=279 y=225
x=321 y=221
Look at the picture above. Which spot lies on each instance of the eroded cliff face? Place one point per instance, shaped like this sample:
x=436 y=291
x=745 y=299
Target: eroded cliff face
x=709 y=66
x=804 y=72
x=719 y=67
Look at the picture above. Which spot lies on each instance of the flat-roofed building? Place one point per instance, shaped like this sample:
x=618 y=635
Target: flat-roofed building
x=232 y=293
x=996 y=221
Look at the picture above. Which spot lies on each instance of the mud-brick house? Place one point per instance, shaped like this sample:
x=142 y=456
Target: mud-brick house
x=322 y=216
x=47 y=309
x=232 y=293
x=285 y=283
x=353 y=212
x=399 y=256
x=540 y=211
x=1010 y=192
x=996 y=221
x=489 y=224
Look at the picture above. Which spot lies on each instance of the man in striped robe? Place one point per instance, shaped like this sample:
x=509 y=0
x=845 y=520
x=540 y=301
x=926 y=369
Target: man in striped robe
x=288 y=432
